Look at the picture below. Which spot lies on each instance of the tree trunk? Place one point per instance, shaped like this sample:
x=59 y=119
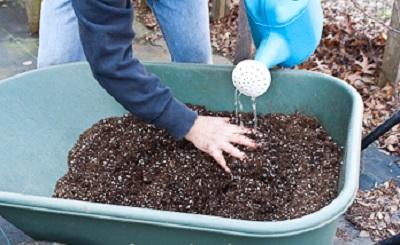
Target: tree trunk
x=219 y=9
x=32 y=8
x=244 y=45
x=390 y=71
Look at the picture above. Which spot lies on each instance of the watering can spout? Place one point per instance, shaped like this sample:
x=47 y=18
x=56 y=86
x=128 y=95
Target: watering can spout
x=273 y=50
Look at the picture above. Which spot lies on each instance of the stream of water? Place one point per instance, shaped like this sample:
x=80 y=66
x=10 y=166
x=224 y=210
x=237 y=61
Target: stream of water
x=236 y=106
x=239 y=108
x=254 y=105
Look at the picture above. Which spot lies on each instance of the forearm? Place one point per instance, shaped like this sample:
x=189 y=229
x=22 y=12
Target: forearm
x=106 y=35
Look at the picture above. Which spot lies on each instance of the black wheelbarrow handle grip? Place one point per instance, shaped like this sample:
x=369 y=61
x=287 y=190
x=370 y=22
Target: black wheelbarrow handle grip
x=381 y=130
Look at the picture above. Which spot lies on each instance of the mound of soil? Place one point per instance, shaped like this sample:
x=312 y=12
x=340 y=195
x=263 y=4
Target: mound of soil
x=123 y=161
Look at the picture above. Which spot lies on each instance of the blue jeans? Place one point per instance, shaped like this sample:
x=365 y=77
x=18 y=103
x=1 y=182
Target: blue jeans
x=59 y=40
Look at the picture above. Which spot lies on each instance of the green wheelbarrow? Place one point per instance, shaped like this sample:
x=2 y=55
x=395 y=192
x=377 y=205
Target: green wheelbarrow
x=43 y=112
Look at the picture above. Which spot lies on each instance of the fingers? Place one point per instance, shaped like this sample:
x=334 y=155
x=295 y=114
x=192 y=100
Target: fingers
x=233 y=151
x=239 y=130
x=219 y=157
x=243 y=140
x=236 y=135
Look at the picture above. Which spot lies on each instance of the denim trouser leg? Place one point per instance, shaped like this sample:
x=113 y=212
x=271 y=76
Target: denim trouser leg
x=184 y=24
x=59 y=40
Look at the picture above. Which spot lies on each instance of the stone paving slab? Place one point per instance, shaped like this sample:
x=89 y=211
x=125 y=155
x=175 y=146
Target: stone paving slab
x=18 y=48
x=377 y=167
x=10 y=235
x=13 y=18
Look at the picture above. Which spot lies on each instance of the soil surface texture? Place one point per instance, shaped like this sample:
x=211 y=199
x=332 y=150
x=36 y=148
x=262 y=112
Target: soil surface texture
x=123 y=161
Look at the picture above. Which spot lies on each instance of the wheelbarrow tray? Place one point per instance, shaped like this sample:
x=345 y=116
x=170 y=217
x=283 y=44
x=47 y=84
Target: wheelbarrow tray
x=43 y=112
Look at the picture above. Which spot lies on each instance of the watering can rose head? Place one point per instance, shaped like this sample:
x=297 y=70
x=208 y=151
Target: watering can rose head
x=285 y=32
x=251 y=78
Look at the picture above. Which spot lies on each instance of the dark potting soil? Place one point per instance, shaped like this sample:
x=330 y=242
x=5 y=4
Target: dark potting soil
x=123 y=161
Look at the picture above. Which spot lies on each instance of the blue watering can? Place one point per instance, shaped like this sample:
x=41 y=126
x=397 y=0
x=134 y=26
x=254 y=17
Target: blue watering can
x=286 y=32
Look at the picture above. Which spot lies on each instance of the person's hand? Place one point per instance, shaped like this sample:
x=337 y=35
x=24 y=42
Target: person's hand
x=215 y=135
